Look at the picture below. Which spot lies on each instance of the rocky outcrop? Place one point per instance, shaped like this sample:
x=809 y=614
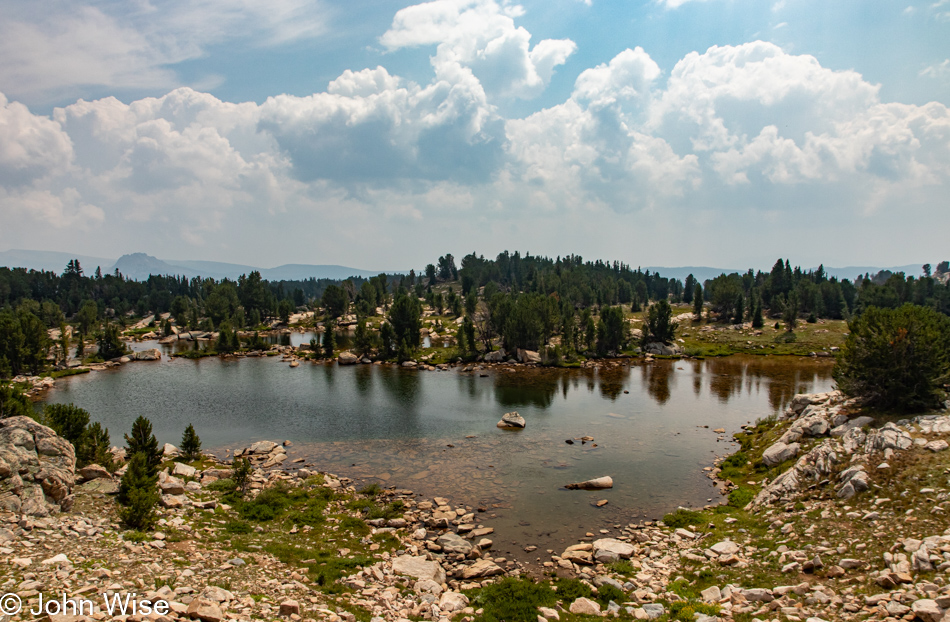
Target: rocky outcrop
x=527 y=356
x=37 y=468
x=495 y=357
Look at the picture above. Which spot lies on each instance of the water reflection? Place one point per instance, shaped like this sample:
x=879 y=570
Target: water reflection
x=656 y=378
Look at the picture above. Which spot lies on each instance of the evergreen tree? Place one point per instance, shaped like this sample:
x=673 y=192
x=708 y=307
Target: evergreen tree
x=241 y=474
x=790 y=314
x=329 y=339
x=67 y=420
x=387 y=337
x=698 y=301
x=138 y=494
x=190 y=444
x=96 y=447
x=468 y=327
x=362 y=339
x=81 y=346
x=142 y=441
x=757 y=320
x=739 y=313
x=13 y=403
x=659 y=326
x=109 y=344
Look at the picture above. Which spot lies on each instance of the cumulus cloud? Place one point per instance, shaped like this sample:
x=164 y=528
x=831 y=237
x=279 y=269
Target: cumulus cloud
x=481 y=36
x=132 y=44
x=748 y=127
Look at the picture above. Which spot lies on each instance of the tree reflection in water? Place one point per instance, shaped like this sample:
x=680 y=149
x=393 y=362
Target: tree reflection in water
x=656 y=378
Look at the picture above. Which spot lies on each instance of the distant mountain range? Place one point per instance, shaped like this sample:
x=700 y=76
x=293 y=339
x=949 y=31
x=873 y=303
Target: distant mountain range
x=139 y=266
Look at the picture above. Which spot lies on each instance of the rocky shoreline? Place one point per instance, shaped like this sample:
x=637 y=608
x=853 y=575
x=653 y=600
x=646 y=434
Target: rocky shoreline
x=817 y=541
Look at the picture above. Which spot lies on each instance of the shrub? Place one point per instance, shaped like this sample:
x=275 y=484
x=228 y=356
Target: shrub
x=741 y=497
x=267 y=505
x=607 y=593
x=569 y=590
x=896 y=359
x=513 y=600
x=222 y=485
x=682 y=517
x=238 y=526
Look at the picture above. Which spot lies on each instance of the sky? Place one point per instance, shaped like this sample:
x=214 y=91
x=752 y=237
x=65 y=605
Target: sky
x=381 y=135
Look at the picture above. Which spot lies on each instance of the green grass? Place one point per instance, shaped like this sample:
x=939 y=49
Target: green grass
x=512 y=600
x=65 y=373
x=683 y=518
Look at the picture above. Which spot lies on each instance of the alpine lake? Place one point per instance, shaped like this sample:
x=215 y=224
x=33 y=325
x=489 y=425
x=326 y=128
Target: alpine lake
x=434 y=432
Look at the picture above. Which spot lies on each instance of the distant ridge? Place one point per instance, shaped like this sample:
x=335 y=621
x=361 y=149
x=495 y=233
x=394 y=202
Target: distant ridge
x=139 y=266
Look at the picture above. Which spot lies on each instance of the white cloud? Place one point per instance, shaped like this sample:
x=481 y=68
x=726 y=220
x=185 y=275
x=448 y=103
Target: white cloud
x=747 y=128
x=132 y=44
x=937 y=70
x=481 y=36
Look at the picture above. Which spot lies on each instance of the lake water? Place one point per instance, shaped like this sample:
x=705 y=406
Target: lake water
x=434 y=432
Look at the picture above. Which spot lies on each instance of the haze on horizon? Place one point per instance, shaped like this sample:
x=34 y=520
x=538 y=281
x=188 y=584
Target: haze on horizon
x=384 y=134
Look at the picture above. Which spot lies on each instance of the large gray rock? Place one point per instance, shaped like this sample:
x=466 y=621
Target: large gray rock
x=495 y=357
x=453 y=543
x=481 y=568
x=585 y=606
x=153 y=354
x=610 y=550
x=779 y=453
x=419 y=567
x=347 y=358
x=511 y=421
x=528 y=356
x=37 y=468
x=661 y=349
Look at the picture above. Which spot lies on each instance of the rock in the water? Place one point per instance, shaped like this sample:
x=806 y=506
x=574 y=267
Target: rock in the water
x=262 y=447
x=153 y=354
x=599 y=483
x=419 y=567
x=347 y=358
x=511 y=421
x=37 y=468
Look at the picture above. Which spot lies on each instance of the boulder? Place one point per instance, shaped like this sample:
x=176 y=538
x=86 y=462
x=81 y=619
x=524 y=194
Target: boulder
x=261 y=447
x=347 y=358
x=495 y=357
x=511 y=421
x=453 y=601
x=37 y=468
x=184 y=470
x=938 y=445
x=779 y=453
x=585 y=607
x=662 y=349
x=153 y=354
x=927 y=610
x=481 y=568
x=453 y=543
x=419 y=568
x=205 y=611
x=527 y=356
x=726 y=547
x=94 y=471
x=170 y=451
x=172 y=486
x=598 y=483
x=610 y=550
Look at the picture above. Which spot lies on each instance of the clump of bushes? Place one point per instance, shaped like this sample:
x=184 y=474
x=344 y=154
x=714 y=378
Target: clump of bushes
x=896 y=359
x=513 y=600
x=682 y=518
